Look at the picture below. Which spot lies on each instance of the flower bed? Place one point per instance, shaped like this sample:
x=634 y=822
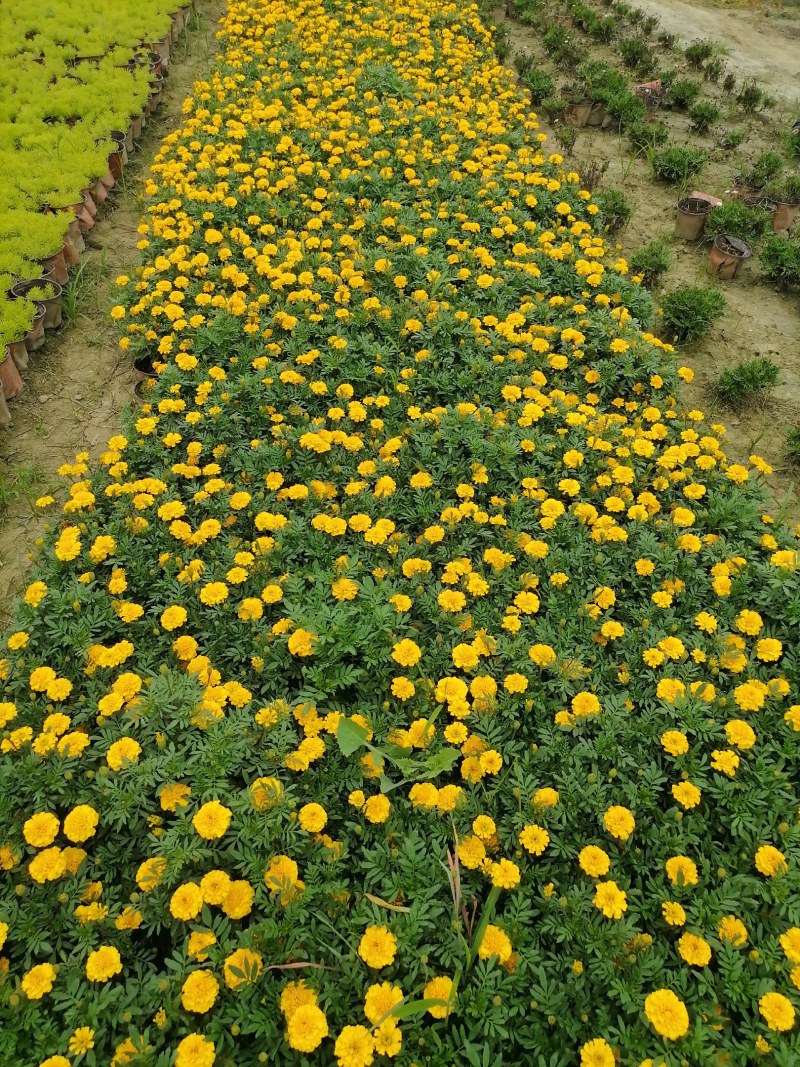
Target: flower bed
x=413 y=680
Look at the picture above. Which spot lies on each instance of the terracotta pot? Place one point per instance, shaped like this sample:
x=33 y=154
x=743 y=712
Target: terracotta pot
x=115 y=164
x=18 y=353
x=88 y=202
x=154 y=98
x=727 y=255
x=52 y=308
x=141 y=389
x=84 y=219
x=156 y=63
x=578 y=113
x=691 y=218
x=162 y=49
x=34 y=338
x=9 y=377
x=129 y=140
x=143 y=369
x=58 y=266
x=136 y=127
x=74 y=244
x=785 y=214
x=99 y=193
x=597 y=114
x=5 y=414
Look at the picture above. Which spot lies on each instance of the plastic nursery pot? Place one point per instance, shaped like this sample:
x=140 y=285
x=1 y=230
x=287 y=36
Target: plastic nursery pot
x=578 y=113
x=51 y=303
x=691 y=217
x=9 y=376
x=34 y=338
x=785 y=214
x=727 y=255
x=161 y=48
x=119 y=139
x=597 y=114
x=136 y=128
x=143 y=369
x=58 y=265
x=129 y=140
x=141 y=389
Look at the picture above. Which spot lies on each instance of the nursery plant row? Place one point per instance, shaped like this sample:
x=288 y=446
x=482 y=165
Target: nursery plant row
x=77 y=88
x=413 y=679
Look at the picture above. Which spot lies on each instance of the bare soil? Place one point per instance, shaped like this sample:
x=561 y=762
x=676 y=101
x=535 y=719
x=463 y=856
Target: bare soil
x=77 y=385
x=759 y=321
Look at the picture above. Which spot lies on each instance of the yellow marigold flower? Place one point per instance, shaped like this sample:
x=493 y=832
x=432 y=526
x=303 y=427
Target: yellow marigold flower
x=770 y=861
x=193 y=1051
x=199 y=991
x=694 y=950
x=667 y=1014
x=312 y=817
x=777 y=1011
x=594 y=861
x=619 y=822
x=681 y=870
x=610 y=899
x=495 y=942
x=597 y=1053
x=212 y=820
x=41 y=830
x=377 y=947
x=103 y=964
x=439 y=989
x=38 y=981
x=306 y=1028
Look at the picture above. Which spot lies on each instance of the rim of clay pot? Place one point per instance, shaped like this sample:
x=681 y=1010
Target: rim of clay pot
x=731 y=246
x=144 y=365
x=694 y=205
x=19 y=290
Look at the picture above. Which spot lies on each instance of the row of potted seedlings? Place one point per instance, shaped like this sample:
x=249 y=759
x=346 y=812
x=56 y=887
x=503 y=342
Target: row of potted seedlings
x=35 y=305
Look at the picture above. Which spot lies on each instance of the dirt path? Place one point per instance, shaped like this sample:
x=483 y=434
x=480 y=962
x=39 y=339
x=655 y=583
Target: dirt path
x=78 y=384
x=759 y=44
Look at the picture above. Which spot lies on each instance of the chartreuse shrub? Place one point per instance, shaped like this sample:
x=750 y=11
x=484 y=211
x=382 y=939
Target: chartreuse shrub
x=63 y=88
x=413 y=679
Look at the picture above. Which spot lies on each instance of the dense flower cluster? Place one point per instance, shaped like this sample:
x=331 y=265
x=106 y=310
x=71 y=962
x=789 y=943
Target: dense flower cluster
x=414 y=680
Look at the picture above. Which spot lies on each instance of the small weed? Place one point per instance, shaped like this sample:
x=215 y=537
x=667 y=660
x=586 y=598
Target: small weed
x=691 y=311
x=667 y=40
x=538 y=83
x=637 y=56
x=646 y=137
x=752 y=98
x=731 y=139
x=747 y=381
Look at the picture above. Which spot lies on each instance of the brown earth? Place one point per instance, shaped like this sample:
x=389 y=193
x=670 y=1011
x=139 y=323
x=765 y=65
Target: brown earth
x=76 y=386
x=759 y=321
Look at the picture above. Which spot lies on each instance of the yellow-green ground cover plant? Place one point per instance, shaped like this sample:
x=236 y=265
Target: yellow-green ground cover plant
x=63 y=87
x=413 y=679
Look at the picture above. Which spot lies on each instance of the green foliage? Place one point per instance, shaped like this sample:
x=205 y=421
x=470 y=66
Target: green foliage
x=747 y=381
x=646 y=137
x=684 y=92
x=752 y=98
x=651 y=261
x=792 y=445
x=676 y=165
x=538 y=83
x=698 y=52
x=780 y=261
x=703 y=115
x=739 y=220
x=689 y=312
x=764 y=171
x=615 y=208
x=637 y=56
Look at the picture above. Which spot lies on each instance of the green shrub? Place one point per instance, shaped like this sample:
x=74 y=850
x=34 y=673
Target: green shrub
x=780 y=261
x=676 y=165
x=691 y=311
x=747 y=381
x=736 y=218
x=637 y=56
x=685 y=92
x=698 y=52
x=703 y=115
x=615 y=210
x=731 y=139
x=625 y=108
x=651 y=261
x=765 y=170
